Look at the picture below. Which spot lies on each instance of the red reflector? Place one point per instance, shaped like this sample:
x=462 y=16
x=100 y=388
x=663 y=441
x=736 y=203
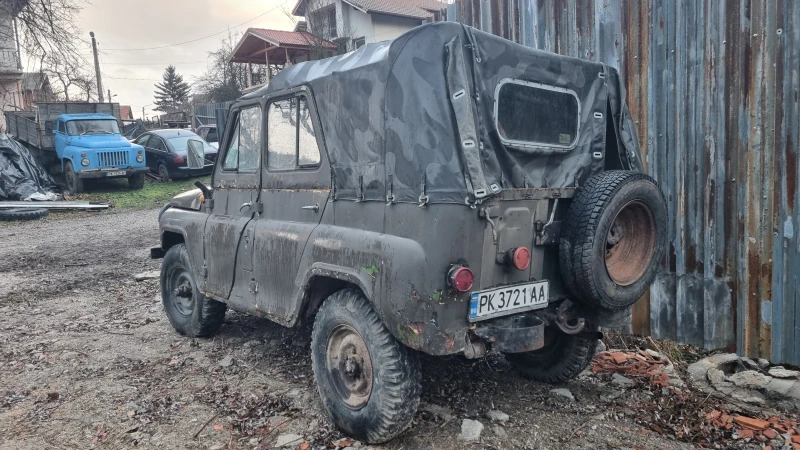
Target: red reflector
x=521 y=258
x=461 y=278
x=178 y=159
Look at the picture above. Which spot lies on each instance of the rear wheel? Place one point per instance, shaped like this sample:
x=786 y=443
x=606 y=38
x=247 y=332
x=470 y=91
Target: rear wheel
x=163 y=172
x=23 y=213
x=563 y=357
x=369 y=383
x=74 y=182
x=136 y=181
x=189 y=311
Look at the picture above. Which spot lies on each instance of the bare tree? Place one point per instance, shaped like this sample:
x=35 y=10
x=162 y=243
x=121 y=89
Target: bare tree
x=46 y=28
x=70 y=74
x=325 y=23
x=224 y=80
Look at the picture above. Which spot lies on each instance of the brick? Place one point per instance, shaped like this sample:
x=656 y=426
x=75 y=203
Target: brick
x=770 y=433
x=796 y=439
x=745 y=434
x=750 y=423
x=767 y=447
x=619 y=358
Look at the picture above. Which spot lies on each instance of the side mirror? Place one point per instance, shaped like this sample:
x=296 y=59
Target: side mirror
x=195 y=159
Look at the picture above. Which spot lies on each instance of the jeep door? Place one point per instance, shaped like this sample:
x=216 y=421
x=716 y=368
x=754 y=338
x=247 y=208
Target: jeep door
x=236 y=181
x=295 y=190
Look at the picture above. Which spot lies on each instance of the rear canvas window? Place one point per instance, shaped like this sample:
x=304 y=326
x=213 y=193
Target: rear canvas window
x=535 y=115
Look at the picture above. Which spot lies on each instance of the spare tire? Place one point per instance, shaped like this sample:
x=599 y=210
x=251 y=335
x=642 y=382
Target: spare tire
x=23 y=213
x=614 y=239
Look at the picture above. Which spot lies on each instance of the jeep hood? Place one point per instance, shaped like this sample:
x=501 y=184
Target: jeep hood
x=188 y=200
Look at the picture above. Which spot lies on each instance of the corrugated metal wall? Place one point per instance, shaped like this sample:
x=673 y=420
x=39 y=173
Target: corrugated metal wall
x=713 y=86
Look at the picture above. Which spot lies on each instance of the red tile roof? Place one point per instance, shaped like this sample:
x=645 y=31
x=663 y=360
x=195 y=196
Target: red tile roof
x=125 y=112
x=298 y=38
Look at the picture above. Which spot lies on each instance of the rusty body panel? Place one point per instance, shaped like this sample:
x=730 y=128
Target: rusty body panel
x=714 y=90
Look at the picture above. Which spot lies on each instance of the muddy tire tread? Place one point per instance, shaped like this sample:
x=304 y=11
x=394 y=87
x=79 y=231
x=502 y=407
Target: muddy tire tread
x=399 y=373
x=573 y=360
x=23 y=214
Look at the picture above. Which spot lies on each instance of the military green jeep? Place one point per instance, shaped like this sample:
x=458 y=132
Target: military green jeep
x=449 y=192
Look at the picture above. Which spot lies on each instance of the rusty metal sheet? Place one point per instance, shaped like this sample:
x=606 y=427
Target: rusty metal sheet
x=713 y=88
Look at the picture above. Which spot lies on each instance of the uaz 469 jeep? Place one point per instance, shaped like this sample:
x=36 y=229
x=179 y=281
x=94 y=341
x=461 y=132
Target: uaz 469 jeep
x=448 y=192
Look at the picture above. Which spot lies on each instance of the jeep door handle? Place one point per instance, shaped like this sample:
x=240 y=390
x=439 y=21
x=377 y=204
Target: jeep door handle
x=314 y=207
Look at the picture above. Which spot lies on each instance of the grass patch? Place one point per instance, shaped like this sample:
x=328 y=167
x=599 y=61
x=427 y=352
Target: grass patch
x=153 y=195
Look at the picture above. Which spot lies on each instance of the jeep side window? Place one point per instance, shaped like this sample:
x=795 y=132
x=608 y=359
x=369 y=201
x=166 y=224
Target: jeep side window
x=291 y=141
x=536 y=115
x=244 y=151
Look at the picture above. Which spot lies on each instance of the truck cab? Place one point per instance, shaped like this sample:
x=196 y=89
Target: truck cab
x=91 y=146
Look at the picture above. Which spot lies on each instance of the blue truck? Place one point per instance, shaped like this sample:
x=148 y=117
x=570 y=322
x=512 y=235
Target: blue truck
x=81 y=141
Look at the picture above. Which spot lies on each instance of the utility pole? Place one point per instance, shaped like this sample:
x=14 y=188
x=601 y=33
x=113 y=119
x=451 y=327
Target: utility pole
x=109 y=96
x=97 y=68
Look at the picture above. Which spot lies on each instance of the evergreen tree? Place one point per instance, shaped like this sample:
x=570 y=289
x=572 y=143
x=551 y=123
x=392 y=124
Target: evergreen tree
x=171 y=93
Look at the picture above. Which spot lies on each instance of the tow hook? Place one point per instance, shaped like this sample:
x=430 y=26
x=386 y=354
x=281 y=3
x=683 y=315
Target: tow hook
x=566 y=321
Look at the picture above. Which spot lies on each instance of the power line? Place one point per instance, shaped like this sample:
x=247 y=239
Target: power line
x=155 y=64
x=199 y=39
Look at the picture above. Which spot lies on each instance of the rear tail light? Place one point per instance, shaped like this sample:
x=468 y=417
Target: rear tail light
x=520 y=258
x=179 y=159
x=461 y=278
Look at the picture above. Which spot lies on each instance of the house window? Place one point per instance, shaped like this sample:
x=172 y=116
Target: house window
x=536 y=115
x=358 y=43
x=323 y=22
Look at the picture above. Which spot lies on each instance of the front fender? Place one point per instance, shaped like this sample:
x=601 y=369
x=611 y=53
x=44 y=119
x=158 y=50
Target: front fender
x=190 y=225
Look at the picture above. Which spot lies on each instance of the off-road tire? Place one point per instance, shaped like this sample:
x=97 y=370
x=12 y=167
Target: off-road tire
x=23 y=214
x=205 y=315
x=394 y=397
x=73 y=181
x=561 y=360
x=584 y=244
x=136 y=181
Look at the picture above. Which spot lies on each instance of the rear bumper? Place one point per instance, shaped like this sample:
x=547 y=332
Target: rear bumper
x=104 y=173
x=516 y=334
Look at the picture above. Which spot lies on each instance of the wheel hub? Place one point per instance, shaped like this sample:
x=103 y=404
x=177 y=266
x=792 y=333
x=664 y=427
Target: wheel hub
x=183 y=293
x=349 y=366
x=630 y=243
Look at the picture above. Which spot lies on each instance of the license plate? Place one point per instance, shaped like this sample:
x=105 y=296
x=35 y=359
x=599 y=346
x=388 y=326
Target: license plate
x=507 y=300
x=118 y=173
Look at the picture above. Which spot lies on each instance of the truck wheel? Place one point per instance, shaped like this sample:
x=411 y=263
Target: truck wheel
x=368 y=382
x=189 y=311
x=136 y=181
x=562 y=358
x=74 y=183
x=23 y=214
x=615 y=239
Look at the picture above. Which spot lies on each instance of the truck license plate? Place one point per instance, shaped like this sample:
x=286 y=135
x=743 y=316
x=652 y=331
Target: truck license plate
x=117 y=173
x=508 y=300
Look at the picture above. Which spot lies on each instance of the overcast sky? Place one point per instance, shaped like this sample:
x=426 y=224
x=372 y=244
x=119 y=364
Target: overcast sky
x=131 y=74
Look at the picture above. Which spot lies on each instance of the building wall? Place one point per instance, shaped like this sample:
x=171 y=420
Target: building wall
x=360 y=24
x=714 y=89
x=10 y=71
x=387 y=27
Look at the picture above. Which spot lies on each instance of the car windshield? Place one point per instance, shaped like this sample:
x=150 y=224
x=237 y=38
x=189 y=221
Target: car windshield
x=180 y=143
x=95 y=126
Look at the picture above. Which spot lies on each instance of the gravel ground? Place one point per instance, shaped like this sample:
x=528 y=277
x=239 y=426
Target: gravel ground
x=89 y=360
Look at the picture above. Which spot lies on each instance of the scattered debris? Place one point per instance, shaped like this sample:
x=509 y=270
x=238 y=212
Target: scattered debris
x=780 y=372
x=151 y=275
x=642 y=364
x=565 y=393
x=497 y=416
x=226 y=361
x=620 y=380
x=56 y=205
x=288 y=440
x=470 y=430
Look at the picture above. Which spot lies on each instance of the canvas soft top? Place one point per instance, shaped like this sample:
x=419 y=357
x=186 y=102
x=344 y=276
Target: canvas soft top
x=412 y=120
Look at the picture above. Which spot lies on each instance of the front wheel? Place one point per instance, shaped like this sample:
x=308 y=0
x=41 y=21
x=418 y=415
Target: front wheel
x=136 y=181
x=189 y=311
x=563 y=357
x=74 y=182
x=369 y=382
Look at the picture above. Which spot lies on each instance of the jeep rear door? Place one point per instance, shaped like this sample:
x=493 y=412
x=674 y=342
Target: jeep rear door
x=295 y=190
x=236 y=181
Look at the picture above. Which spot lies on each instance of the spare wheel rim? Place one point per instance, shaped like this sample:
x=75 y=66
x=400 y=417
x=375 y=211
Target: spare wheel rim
x=630 y=243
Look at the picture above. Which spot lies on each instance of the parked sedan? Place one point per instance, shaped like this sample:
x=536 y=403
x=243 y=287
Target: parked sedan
x=209 y=133
x=167 y=149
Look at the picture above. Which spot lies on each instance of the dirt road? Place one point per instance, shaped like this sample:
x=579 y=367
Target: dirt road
x=88 y=360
